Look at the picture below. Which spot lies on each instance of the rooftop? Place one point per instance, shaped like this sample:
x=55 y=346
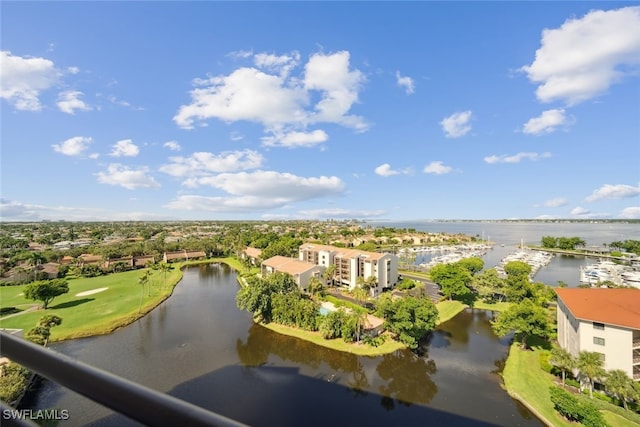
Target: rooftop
x=619 y=307
x=285 y=264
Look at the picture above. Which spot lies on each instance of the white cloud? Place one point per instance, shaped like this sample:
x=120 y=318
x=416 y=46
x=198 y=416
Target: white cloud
x=295 y=139
x=632 y=212
x=69 y=101
x=330 y=74
x=73 y=146
x=257 y=191
x=18 y=211
x=516 y=158
x=457 y=124
x=556 y=202
x=437 y=168
x=125 y=148
x=270 y=96
x=281 y=64
x=128 y=178
x=547 y=122
x=245 y=94
x=223 y=204
x=23 y=78
x=271 y=184
x=608 y=191
x=585 y=56
x=385 y=170
x=236 y=136
x=172 y=145
x=405 y=82
x=577 y=211
x=205 y=163
x=341 y=213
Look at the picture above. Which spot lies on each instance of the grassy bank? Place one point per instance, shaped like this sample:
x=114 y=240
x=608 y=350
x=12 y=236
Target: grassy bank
x=117 y=303
x=527 y=382
x=338 y=344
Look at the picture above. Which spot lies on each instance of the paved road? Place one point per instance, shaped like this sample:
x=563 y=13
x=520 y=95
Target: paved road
x=430 y=288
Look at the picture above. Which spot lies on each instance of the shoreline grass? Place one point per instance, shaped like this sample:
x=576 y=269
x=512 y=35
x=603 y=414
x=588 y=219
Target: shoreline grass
x=360 y=349
x=525 y=381
x=99 y=313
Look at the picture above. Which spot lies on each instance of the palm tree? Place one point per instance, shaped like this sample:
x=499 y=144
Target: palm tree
x=563 y=360
x=620 y=385
x=590 y=366
x=315 y=285
x=143 y=280
x=329 y=273
x=165 y=268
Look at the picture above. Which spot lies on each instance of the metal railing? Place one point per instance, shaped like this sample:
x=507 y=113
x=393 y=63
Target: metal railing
x=136 y=401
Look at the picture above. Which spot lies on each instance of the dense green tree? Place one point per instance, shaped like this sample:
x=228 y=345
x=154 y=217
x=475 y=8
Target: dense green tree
x=525 y=319
x=42 y=331
x=410 y=318
x=563 y=360
x=489 y=286
x=517 y=268
x=591 y=368
x=255 y=297
x=454 y=280
x=473 y=265
x=46 y=290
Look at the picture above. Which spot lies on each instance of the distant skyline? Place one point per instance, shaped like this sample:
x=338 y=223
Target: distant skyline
x=115 y=111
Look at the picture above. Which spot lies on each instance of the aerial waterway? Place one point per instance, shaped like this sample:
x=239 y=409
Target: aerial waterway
x=199 y=347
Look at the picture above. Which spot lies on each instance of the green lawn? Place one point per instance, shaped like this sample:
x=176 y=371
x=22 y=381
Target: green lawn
x=498 y=306
x=362 y=349
x=617 y=421
x=448 y=310
x=97 y=313
x=524 y=379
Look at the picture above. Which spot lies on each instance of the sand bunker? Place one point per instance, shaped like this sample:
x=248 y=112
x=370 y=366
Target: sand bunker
x=91 y=292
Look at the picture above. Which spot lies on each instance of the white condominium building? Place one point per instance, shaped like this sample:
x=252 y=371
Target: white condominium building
x=353 y=263
x=605 y=321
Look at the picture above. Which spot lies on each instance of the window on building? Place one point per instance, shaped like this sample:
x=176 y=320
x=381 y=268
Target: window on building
x=601 y=356
x=598 y=341
x=599 y=326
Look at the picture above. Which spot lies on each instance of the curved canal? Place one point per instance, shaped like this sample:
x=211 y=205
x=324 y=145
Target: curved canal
x=199 y=347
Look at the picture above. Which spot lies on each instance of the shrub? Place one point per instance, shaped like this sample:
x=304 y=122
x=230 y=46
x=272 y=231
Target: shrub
x=574 y=410
x=566 y=404
x=590 y=416
x=13 y=382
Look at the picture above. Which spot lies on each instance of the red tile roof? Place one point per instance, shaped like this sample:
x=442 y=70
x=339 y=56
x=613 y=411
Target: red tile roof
x=619 y=307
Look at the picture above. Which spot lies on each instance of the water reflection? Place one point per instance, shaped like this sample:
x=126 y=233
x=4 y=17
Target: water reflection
x=198 y=346
x=408 y=379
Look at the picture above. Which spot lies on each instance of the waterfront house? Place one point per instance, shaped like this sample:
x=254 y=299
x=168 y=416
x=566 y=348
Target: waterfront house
x=351 y=264
x=252 y=255
x=301 y=271
x=601 y=320
x=182 y=255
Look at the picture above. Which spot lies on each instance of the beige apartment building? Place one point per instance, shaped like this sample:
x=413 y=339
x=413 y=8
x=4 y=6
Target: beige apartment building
x=301 y=271
x=605 y=321
x=350 y=264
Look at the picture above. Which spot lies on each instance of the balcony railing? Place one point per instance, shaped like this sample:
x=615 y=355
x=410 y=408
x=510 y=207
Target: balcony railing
x=636 y=343
x=137 y=402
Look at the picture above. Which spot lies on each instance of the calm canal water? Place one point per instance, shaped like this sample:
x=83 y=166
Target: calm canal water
x=199 y=347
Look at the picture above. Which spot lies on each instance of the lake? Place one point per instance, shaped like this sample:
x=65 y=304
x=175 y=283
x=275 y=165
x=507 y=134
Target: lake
x=199 y=347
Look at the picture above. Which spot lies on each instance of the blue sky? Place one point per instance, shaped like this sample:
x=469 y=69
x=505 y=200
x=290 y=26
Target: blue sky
x=295 y=110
